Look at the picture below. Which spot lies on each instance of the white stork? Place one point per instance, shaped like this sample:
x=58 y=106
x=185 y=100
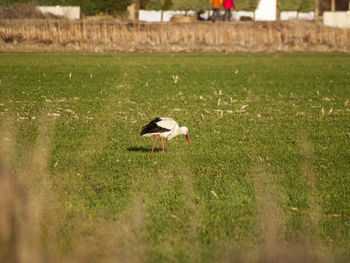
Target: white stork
x=164 y=127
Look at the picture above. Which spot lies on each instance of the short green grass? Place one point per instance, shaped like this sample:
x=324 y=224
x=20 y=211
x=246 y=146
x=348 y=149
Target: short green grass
x=267 y=175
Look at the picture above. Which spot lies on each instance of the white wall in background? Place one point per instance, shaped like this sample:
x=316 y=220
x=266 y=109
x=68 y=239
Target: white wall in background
x=290 y=15
x=266 y=10
x=155 y=16
x=337 y=19
x=263 y=13
x=306 y=16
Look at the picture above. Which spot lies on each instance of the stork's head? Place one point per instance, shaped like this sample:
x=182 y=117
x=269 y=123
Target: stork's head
x=183 y=130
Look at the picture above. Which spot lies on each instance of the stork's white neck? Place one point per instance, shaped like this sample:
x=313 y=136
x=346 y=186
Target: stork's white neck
x=181 y=130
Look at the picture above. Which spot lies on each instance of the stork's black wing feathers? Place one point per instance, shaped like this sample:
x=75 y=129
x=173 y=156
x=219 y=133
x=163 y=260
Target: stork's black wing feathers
x=152 y=127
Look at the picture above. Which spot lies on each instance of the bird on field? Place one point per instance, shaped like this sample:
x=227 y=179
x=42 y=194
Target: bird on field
x=164 y=127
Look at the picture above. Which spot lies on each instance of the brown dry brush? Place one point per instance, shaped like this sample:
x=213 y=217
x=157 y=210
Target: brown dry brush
x=22 y=195
x=27 y=208
x=208 y=37
x=35 y=223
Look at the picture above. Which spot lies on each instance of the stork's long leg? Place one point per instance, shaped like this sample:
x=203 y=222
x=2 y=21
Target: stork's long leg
x=162 y=143
x=154 y=140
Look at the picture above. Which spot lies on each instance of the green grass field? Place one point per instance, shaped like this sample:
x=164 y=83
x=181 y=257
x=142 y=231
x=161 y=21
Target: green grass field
x=266 y=178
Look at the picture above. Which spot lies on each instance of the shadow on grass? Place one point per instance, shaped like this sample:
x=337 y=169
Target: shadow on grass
x=143 y=149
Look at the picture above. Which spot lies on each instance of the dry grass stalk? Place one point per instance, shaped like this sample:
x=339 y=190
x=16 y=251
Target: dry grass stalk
x=23 y=192
x=32 y=216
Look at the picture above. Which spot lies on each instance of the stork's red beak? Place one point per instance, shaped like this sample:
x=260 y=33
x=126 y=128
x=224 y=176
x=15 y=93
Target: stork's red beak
x=187 y=139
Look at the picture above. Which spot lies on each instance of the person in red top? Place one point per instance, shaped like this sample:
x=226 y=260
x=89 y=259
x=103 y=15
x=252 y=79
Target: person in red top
x=228 y=4
x=216 y=4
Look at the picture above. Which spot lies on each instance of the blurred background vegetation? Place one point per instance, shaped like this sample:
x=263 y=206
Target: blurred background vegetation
x=93 y=7
x=88 y=7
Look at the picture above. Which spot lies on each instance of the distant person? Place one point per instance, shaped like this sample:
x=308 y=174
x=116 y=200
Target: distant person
x=228 y=4
x=216 y=4
x=199 y=15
